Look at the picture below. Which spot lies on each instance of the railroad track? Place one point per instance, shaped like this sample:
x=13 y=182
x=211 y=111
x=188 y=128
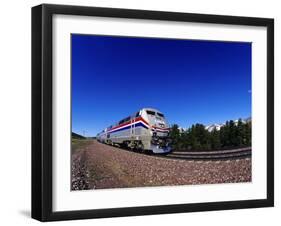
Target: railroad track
x=206 y=155
x=211 y=155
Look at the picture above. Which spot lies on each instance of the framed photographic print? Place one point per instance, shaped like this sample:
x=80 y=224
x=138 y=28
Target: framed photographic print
x=146 y=112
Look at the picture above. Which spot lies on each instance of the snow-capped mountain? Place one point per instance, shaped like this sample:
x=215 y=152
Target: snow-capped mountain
x=181 y=129
x=210 y=128
x=216 y=126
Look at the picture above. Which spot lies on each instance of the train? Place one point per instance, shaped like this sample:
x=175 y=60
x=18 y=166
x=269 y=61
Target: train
x=147 y=130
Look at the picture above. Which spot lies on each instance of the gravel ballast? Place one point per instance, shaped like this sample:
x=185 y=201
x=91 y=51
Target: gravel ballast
x=98 y=166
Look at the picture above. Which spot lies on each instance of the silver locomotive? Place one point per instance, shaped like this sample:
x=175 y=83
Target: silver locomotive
x=145 y=130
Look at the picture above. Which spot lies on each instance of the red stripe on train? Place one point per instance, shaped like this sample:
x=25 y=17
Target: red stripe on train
x=155 y=127
x=130 y=122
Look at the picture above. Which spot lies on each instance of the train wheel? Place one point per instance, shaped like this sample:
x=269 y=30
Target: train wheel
x=148 y=152
x=140 y=147
x=124 y=145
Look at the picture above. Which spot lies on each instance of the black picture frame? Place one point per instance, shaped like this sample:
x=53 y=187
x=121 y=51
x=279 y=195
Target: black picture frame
x=42 y=111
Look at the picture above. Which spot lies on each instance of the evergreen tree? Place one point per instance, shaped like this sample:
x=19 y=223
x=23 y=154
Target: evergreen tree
x=185 y=140
x=202 y=137
x=215 y=139
x=240 y=134
x=194 y=143
x=224 y=135
x=231 y=135
x=248 y=133
x=174 y=135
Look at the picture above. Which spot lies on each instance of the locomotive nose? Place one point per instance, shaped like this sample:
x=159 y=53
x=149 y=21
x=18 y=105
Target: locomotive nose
x=160 y=122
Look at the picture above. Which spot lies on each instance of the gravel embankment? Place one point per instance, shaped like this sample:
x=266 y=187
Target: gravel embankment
x=79 y=171
x=103 y=166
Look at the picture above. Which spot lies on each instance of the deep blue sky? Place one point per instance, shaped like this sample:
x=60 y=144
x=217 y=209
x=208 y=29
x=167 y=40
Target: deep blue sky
x=190 y=81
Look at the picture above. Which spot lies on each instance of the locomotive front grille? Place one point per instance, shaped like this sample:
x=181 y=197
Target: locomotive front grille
x=160 y=141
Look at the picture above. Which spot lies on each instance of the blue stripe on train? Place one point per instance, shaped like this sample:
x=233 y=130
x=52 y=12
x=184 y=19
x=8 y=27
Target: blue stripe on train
x=129 y=127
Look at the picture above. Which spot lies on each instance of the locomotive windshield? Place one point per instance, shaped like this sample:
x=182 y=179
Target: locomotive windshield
x=155 y=113
x=150 y=112
x=160 y=114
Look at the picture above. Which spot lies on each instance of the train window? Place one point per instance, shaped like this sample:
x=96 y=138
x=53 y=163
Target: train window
x=160 y=114
x=138 y=114
x=127 y=119
x=150 y=112
x=124 y=120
